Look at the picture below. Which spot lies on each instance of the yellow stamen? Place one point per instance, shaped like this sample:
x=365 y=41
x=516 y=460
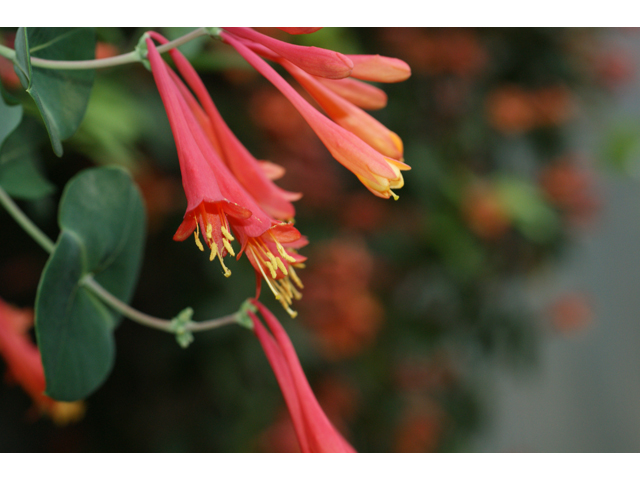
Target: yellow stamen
x=295 y=278
x=227 y=245
x=275 y=293
x=196 y=234
x=226 y=233
x=281 y=266
x=284 y=253
x=209 y=232
x=395 y=197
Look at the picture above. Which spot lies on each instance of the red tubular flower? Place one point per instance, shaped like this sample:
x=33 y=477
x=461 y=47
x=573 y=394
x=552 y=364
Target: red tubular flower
x=25 y=367
x=244 y=167
x=216 y=202
x=377 y=172
x=317 y=61
x=315 y=432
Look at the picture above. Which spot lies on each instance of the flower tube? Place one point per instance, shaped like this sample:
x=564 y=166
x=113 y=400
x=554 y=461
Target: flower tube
x=314 y=431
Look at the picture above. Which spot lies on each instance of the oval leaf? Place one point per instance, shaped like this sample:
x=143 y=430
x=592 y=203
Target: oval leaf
x=102 y=233
x=19 y=163
x=61 y=95
x=10 y=117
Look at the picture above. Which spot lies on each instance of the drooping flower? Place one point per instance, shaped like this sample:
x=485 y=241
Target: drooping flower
x=217 y=203
x=244 y=167
x=376 y=171
x=314 y=431
x=24 y=365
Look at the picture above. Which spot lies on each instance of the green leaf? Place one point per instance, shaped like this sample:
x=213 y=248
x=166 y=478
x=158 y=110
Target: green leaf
x=60 y=95
x=102 y=225
x=531 y=214
x=19 y=163
x=10 y=117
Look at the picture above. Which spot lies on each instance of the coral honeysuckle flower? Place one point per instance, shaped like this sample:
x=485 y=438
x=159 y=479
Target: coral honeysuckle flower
x=25 y=367
x=347 y=115
x=245 y=168
x=314 y=431
x=217 y=204
x=314 y=60
x=377 y=172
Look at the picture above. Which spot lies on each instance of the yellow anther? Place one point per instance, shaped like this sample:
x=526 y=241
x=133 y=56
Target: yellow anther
x=227 y=245
x=281 y=266
x=272 y=270
x=284 y=253
x=292 y=313
x=226 y=233
x=209 y=232
x=395 y=197
x=196 y=234
x=227 y=272
x=295 y=278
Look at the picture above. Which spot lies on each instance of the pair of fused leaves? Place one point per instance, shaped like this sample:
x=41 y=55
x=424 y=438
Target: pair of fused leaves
x=102 y=226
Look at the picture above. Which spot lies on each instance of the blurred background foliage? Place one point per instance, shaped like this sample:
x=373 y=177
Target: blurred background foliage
x=408 y=306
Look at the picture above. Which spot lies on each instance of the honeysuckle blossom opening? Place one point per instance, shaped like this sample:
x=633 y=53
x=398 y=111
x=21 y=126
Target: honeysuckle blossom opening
x=218 y=205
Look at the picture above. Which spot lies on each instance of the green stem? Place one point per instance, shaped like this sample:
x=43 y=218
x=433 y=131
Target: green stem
x=125 y=58
x=148 y=320
x=25 y=222
x=89 y=282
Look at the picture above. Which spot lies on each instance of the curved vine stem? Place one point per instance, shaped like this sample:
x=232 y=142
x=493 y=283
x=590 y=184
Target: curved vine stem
x=123 y=59
x=179 y=325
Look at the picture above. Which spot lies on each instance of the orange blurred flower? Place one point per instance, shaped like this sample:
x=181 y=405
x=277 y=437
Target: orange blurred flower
x=571 y=313
x=420 y=428
x=339 y=306
x=106 y=50
x=511 y=109
x=25 y=367
x=485 y=212
x=572 y=189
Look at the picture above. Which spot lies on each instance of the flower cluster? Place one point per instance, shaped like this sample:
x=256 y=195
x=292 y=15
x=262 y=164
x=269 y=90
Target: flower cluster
x=230 y=194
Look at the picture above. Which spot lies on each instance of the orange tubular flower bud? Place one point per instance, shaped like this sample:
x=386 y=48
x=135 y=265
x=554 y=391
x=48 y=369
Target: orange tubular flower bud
x=359 y=93
x=349 y=116
x=376 y=68
x=377 y=172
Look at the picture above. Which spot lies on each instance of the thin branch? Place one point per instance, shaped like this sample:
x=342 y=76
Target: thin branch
x=123 y=59
x=108 y=298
